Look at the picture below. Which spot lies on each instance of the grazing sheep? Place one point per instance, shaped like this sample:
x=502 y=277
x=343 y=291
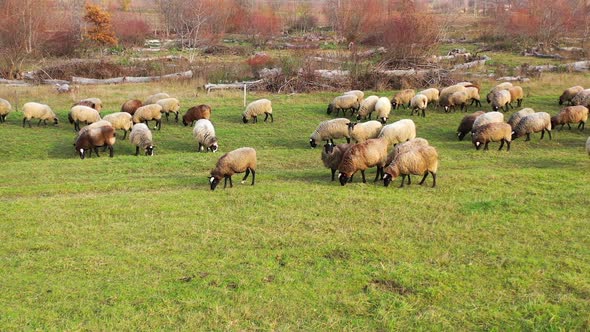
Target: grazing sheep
x=196 y=113
x=418 y=161
x=419 y=103
x=402 y=98
x=382 y=109
x=569 y=94
x=492 y=132
x=446 y=93
x=358 y=93
x=359 y=157
x=571 y=114
x=433 y=95
x=5 y=108
x=582 y=98
x=499 y=87
x=131 y=106
x=147 y=113
x=155 y=97
x=42 y=112
x=458 y=98
x=236 y=161
x=361 y=132
x=204 y=133
x=344 y=103
x=367 y=107
x=405 y=147
x=80 y=113
x=466 y=124
x=588 y=145
x=329 y=131
x=500 y=99
x=169 y=105
x=141 y=137
x=332 y=156
x=516 y=94
x=90 y=102
x=516 y=117
x=94 y=136
x=473 y=95
x=486 y=118
x=256 y=108
x=120 y=120
x=399 y=131
x=533 y=123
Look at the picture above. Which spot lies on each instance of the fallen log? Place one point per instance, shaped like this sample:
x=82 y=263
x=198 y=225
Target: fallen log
x=92 y=81
x=225 y=86
x=131 y=79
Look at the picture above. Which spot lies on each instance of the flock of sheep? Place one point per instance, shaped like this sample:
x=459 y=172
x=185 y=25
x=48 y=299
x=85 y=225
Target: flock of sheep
x=392 y=148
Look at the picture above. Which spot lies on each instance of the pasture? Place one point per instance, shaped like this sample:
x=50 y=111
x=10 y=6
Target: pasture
x=140 y=243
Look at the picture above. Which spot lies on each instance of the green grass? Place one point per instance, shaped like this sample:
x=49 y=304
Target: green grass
x=139 y=243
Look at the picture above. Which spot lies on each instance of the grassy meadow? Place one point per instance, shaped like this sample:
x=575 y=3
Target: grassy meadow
x=140 y=243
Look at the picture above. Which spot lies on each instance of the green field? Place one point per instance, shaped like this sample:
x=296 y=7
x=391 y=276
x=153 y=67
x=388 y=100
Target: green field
x=140 y=243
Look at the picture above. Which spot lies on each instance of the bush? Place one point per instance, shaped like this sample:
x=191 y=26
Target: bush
x=131 y=31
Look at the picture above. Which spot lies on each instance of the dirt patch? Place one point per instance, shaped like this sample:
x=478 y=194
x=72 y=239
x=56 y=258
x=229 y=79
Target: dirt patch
x=392 y=286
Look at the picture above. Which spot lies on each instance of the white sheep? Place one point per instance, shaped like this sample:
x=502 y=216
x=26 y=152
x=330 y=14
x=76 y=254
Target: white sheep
x=81 y=113
x=399 y=131
x=486 y=118
x=120 y=120
x=5 y=108
x=418 y=161
x=330 y=130
x=588 y=145
x=256 y=108
x=141 y=137
x=367 y=107
x=458 y=98
x=516 y=117
x=204 y=133
x=419 y=103
x=169 y=105
x=473 y=94
x=358 y=93
x=433 y=95
x=382 y=109
x=42 y=112
x=155 y=97
x=95 y=103
x=148 y=113
x=344 y=103
x=236 y=161
x=361 y=132
x=499 y=87
x=533 y=123
x=402 y=98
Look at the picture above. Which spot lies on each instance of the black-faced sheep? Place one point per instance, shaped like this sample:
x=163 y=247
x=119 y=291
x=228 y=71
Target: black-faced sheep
x=569 y=94
x=571 y=114
x=155 y=97
x=332 y=156
x=236 y=161
x=196 y=113
x=367 y=107
x=466 y=124
x=361 y=132
x=120 y=120
x=458 y=98
x=148 y=113
x=516 y=117
x=492 y=132
x=90 y=139
x=419 y=103
x=81 y=113
x=204 y=133
x=38 y=111
x=358 y=93
x=359 y=157
x=402 y=98
x=131 y=106
x=330 y=130
x=141 y=137
x=344 y=103
x=419 y=161
x=5 y=108
x=486 y=118
x=533 y=123
x=256 y=108
x=382 y=109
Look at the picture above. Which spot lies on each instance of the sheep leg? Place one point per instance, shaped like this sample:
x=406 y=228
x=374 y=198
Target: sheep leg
x=568 y=126
x=486 y=146
x=350 y=180
x=403 y=180
x=347 y=140
x=501 y=145
x=377 y=174
x=95 y=151
x=200 y=146
x=519 y=102
x=225 y=182
x=433 y=179
x=424 y=178
x=246 y=176
x=463 y=107
x=231 y=184
x=254 y=119
x=528 y=137
x=542 y=133
x=580 y=126
x=549 y=132
x=167 y=115
x=111 y=151
x=507 y=145
x=265 y=116
x=124 y=133
x=39 y=123
x=24 y=119
x=272 y=119
x=424 y=113
x=253 y=176
x=333 y=173
x=363 y=174
x=137 y=150
x=409 y=179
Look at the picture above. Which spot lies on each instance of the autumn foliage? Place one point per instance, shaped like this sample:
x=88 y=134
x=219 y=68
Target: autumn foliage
x=101 y=30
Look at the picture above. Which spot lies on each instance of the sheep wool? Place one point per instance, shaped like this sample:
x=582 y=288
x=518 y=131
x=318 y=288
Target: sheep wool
x=499 y=87
x=582 y=98
x=141 y=137
x=148 y=113
x=516 y=94
x=256 y=108
x=516 y=117
x=131 y=106
x=492 y=132
x=344 y=103
x=359 y=157
x=419 y=103
x=155 y=97
x=486 y=118
x=120 y=120
x=418 y=161
x=458 y=98
x=500 y=99
x=42 y=112
x=196 y=113
x=100 y=133
x=466 y=124
x=473 y=95
x=399 y=131
x=169 y=105
x=330 y=130
x=367 y=107
x=405 y=147
x=358 y=93
x=95 y=103
x=80 y=113
x=204 y=133
x=569 y=94
x=432 y=94
x=402 y=98
x=533 y=123
x=571 y=114
x=382 y=109
x=236 y=161
x=588 y=145
x=332 y=156
x=5 y=108
x=361 y=132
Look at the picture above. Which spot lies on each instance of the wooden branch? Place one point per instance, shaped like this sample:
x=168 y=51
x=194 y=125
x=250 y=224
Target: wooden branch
x=235 y=85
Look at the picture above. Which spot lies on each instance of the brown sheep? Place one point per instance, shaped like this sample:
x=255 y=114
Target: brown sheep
x=332 y=156
x=96 y=137
x=467 y=124
x=236 y=161
x=516 y=93
x=372 y=152
x=403 y=98
x=571 y=114
x=492 y=132
x=419 y=161
x=569 y=94
x=196 y=113
x=131 y=106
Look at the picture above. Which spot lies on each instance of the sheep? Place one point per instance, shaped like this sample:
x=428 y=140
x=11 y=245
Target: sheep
x=169 y=105
x=204 y=133
x=569 y=94
x=405 y=147
x=361 y=132
x=458 y=98
x=486 y=118
x=372 y=152
x=358 y=93
x=499 y=99
x=120 y=120
x=433 y=95
x=466 y=124
x=330 y=130
x=582 y=98
x=256 y=108
x=499 y=87
x=516 y=94
x=81 y=113
x=5 y=108
x=382 y=109
x=131 y=106
x=42 y=112
x=236 y=161
x=588 y=145
x=492 y=132
x=418 y=161
x=93 y=136
x=464 y=83
x=399 y=131
x=533 y=123
x=446 y=93
x=94 y=103
x=571 y=114
x=196 y=113
x=141 y=137
x=516 y=117
x=367 y=107
x=473 y=94
x=419 y=103
x=155 y=97
x=344 y=103
x=147 y=113
x=332 y=156
x=402 y=98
